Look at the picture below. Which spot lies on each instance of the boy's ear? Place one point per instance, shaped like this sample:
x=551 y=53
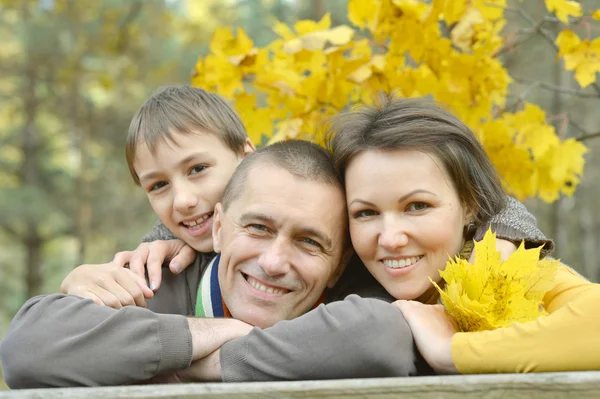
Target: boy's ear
x=248 y=147
x=216 y=228
x=345 y=259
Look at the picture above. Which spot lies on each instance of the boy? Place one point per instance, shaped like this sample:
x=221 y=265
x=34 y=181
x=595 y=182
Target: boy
x=182 y=147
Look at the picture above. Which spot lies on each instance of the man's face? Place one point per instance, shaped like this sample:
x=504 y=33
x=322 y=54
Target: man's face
x=184 y=180
x=281 y=242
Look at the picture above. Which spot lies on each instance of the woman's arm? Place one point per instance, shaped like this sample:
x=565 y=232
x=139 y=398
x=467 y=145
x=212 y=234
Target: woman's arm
x=565 y=340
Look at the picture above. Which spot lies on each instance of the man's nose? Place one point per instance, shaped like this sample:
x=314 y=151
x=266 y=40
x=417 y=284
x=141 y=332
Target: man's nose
x=393 y=235
x=274 y=260
x=185 y=198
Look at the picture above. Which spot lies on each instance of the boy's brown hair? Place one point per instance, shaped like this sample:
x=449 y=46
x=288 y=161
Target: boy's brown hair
x=183 y=109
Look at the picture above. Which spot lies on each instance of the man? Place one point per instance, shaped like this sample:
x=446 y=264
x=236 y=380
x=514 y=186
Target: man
x=280 y=232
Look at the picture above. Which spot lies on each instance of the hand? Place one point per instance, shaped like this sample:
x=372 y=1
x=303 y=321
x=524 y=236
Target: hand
x=433 y=329
x=107 y=284
x=506 y=248
x=152 y=255
x=208 y=335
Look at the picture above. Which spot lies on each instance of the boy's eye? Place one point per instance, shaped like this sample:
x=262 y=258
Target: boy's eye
x=364 y=213
x=417 y=206
x=158 y=186
x=197 y=169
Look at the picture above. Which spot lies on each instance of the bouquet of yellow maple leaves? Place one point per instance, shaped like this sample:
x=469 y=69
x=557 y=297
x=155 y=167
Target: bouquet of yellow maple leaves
x=491 y=293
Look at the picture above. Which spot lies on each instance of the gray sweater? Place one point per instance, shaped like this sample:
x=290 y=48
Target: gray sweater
x=59 y=340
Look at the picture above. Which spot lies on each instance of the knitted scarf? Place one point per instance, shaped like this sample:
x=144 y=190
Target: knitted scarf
x=209 y=302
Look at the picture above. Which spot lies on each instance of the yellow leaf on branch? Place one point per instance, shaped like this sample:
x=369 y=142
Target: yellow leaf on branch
x=490 y=293
x=564 y=9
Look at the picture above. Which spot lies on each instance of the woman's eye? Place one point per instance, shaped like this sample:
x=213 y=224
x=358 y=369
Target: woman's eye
x=418 y=206
x=158 y=186
x=364 y=213
x=197 y=169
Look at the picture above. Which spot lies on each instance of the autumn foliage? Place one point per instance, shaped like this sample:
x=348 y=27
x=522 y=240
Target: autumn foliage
x=490 y=293
x=446 y=49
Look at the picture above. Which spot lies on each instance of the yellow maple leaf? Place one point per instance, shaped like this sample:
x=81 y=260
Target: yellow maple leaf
x=596 y=15
x=364 y=13
x=564 y=9
x=490 y=293
x=462 y=34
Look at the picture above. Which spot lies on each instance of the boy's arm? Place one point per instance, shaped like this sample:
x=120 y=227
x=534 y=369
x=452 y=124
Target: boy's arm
x=516 y=224
x=354 y=338
x=59 y=341
x=159 y=232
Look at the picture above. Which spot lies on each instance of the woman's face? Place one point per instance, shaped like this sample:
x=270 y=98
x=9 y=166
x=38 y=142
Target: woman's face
x=405 y=218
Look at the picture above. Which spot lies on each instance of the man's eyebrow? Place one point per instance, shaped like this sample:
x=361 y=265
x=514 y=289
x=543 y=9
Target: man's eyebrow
x=186 y=160
x=256 y=216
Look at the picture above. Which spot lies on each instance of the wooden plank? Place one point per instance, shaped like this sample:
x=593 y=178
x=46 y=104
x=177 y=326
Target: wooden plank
x=530 y=386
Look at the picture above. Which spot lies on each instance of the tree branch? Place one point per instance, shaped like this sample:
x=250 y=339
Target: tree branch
x=588 y=136
x=558 y=89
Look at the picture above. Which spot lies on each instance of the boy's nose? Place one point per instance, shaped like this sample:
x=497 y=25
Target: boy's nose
x=184 y=200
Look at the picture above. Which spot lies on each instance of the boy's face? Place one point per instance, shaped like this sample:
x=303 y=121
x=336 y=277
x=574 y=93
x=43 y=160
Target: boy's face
x=184 y=180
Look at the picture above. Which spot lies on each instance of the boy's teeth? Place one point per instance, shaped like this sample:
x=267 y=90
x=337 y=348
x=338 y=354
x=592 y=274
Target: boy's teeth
x=269 y=290
x=400 y=263
x=197 y=221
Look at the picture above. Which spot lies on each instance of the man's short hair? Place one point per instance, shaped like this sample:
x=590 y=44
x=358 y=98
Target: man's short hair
x=302 y=159
x=183 y=109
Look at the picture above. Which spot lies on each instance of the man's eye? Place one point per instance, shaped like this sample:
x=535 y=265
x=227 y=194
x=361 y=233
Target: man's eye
x=258 y=228
x=158 y=186
x=364 y=213
x=311 y=242
x=197 y=169
x=417 y=206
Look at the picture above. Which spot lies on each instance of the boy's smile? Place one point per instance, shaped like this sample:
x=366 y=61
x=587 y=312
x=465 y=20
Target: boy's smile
x=184 y=179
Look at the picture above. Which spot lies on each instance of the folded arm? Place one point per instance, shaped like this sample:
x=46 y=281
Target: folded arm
x=354 y=338
x=60 y=341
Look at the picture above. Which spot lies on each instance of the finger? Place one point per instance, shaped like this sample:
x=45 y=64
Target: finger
x=137 y=263
x=159 y=252
x=122 y=258
x=141 y=283
x=93 y=297
x=125 y=297
x=106 y=297
x=128 y=283
x=183 y=259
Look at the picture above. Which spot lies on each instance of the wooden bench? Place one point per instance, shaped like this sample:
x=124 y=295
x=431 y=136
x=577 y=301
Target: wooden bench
x=530 y=386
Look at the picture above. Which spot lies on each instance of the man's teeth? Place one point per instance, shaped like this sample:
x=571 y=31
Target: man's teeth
x=197 y=221
x=269 y=290
x=400 y=263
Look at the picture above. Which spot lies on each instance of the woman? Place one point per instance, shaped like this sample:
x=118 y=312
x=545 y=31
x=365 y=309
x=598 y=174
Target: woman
x=417 y=184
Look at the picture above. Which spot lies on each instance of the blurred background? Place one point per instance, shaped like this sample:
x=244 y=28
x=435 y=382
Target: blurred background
x=72 y=73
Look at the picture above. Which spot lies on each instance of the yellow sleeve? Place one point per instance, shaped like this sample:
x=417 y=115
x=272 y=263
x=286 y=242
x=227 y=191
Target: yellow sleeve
x=565 y=340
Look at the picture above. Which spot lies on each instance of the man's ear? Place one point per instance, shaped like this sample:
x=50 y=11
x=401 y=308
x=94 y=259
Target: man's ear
x=345 y=259
x=216 y=227
x=248 y=148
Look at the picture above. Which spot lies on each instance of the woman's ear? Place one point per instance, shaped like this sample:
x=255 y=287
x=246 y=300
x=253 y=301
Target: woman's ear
x=216 y=228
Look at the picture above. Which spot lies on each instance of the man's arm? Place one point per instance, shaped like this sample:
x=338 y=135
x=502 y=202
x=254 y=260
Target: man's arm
x=58 y=341
x=354 y=338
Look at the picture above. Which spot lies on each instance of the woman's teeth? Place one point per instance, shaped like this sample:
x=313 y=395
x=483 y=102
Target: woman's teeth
x=400 y=263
